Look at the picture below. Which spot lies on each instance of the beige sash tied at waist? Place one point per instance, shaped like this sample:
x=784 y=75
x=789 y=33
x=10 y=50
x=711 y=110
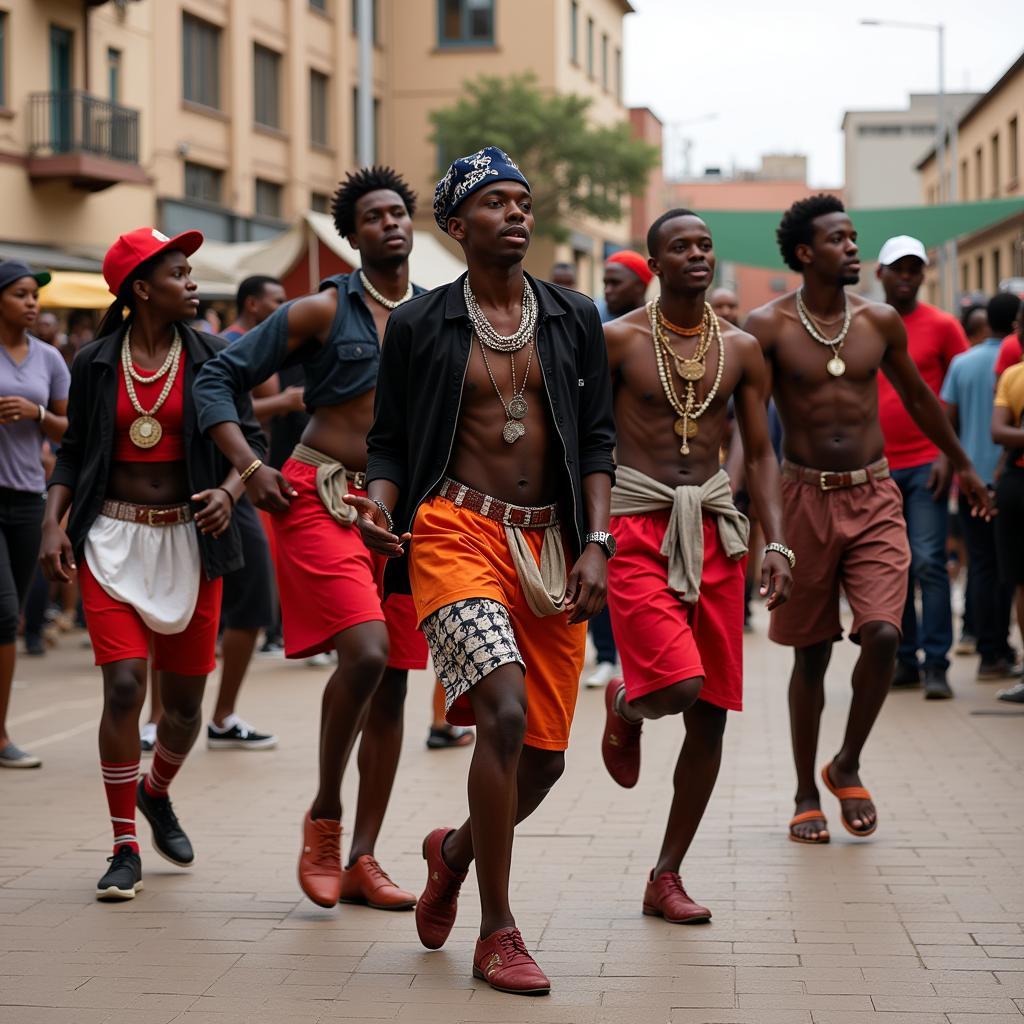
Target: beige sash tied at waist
x=635 y=493
x=543 y=585
x=331 y=482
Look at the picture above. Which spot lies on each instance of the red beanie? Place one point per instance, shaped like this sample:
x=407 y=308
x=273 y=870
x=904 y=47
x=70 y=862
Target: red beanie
x=632 y=261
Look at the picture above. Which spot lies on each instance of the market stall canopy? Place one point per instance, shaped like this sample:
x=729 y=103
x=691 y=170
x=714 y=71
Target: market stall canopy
x=70 y=289
x=748 y=237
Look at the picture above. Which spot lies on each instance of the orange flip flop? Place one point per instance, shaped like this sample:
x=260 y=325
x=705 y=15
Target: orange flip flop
x=808 y=816
x=849 y=793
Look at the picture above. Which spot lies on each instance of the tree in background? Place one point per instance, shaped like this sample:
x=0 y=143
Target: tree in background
x=574 y=167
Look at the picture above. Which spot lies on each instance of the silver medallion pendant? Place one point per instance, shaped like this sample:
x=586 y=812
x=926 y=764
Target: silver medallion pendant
x=512 y=431
x=518 y=407
x=836 y=366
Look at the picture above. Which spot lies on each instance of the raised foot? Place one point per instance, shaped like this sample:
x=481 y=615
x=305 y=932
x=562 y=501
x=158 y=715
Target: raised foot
x=320 y=860
x=439 y=903
x=857 y=809
x=620 y=744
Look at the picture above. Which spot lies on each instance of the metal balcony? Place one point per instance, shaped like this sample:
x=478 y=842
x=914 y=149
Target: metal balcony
x=80 y=138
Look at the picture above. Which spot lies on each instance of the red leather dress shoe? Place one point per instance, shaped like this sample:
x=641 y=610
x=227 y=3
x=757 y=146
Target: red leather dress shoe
x=620 y=745
x=320 y=860
x=665 y=897
x=437 y=906
x=367 y=882
x=503 y=962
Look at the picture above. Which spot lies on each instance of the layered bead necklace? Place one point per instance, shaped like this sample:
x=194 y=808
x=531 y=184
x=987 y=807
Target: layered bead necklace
x=516 y=407
x=690 y=369
x=835 y=365
x=383 y=299
x=145 y=430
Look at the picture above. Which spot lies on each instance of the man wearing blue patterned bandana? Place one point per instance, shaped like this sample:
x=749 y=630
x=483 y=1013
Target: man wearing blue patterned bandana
x=490 y=455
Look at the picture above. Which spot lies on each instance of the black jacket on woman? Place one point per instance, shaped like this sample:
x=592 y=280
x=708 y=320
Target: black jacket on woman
x=86 y=452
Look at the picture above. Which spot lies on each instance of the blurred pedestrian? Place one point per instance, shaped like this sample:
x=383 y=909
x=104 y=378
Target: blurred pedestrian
x=726 y=305
x=969 y=392
x=47 y=329
x=919 y=470
x=564 y=275
x=33 y=408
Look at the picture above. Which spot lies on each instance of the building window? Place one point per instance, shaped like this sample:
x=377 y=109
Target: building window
x=996 y=184
x=590 y=47
x=604 y=62
x=3 y=59
x=266 y=86
x=618 y=74
x=319 y=99
x=113 y=75
x=373 y=15
x=880 y=129
x=319 y=5
x=965 y=284
x=320 y=202
x=201 y=61
x=574 y=31
x=1013 y=142
x=962 y=188
x=997 y=268
x=465 y=22
x=981 y=273
x=979 y=181
x=204 y=184
x=268 y=198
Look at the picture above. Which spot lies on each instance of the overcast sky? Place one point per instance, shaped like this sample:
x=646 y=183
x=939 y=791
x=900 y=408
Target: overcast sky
x=779 y=75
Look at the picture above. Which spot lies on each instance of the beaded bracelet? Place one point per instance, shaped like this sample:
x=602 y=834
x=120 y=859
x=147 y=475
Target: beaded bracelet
x=387 y=514
x=787 y=553
x=250 y=469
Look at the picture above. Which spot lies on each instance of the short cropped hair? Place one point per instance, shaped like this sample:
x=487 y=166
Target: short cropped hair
x=797 y=224
x=655 y=228
x=252 y=288
x=1002 y=310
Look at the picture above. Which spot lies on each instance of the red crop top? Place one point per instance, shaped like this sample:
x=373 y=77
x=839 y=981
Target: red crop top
x=171 y=446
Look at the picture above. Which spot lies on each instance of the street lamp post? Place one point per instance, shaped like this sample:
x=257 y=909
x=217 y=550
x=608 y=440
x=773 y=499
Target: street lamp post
x=945 y=194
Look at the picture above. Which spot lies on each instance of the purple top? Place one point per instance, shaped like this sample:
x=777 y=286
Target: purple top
x=42 y=377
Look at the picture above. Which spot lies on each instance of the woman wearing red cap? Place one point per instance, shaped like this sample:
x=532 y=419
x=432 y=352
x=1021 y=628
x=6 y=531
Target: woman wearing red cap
x=150 y=529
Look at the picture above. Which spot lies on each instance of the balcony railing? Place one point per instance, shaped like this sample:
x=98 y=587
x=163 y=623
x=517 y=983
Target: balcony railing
x=74 y=122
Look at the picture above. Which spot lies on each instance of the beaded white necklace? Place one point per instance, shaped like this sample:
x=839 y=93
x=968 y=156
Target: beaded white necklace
x=382 y=299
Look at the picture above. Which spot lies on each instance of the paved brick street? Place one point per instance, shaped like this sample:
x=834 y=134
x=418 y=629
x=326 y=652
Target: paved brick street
x=921 y=925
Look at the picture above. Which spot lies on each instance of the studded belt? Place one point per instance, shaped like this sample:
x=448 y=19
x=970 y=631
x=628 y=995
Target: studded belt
x=149 y=515
x=828 y=480
x=524 y=517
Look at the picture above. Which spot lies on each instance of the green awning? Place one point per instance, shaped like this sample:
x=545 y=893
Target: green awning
x=748 y=237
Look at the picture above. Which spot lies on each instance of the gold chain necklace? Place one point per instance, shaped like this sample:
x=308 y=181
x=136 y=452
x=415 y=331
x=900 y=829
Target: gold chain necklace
x=145 y=430
x=686 y=409
x=690 y=369
x=835 y=365
x=517 y=407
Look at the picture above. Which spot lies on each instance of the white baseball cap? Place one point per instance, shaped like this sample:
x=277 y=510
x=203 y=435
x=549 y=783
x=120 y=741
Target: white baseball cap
x=900 y=246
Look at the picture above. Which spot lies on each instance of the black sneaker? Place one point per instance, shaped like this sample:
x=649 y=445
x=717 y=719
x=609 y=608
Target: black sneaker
x=237 y=734
x=997 y=668
x=123 y=878
x=169 y=839
x=907 y=674
x=936 y=687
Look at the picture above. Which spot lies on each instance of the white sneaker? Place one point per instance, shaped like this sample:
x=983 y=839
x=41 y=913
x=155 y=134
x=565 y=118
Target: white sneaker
x=147 y=737
x=601 y=676
x=321 y=660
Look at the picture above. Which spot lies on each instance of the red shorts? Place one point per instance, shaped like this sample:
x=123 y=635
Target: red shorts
x=117 y=632
x=328 y=581
x=662 y=640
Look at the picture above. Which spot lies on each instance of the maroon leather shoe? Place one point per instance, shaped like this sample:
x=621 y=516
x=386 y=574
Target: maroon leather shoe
x=503 y=961
x=620 y=744
x=437 y=906
x=665 y=897
x=368 y=883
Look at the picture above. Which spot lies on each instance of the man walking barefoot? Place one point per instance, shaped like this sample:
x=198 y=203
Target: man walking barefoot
x=676 y=583
x=491 y=451
x=842 y=511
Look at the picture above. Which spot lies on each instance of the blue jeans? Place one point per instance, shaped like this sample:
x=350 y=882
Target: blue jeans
x=927 y=531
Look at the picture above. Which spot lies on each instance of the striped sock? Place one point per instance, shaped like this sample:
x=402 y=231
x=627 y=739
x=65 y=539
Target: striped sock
x=163 y=769
x=120 y=780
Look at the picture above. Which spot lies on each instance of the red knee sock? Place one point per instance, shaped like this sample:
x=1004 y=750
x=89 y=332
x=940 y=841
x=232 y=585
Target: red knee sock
x=163 y=769
x=120 y=780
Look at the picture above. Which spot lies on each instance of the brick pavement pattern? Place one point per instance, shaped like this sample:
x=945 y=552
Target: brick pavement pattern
x=920 y=925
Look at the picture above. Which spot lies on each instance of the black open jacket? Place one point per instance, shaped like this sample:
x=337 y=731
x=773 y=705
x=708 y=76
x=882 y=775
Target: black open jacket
x=423 y=366
x=85 y=453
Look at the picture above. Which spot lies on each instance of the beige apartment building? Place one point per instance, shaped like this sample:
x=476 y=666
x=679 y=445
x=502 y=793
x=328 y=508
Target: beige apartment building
x=237 y=116
x=990 y=163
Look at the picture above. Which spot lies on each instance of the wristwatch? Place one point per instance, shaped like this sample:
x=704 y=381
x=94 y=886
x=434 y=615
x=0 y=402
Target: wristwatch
x=604 y=540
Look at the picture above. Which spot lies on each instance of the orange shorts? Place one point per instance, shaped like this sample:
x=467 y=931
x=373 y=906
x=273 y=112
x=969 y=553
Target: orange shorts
x=461 y=556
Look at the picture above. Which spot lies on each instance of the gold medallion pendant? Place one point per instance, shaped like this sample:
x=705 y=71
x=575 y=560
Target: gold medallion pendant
x=690 y=369
x=686 y=428
x=512 y=431
x=145 y=432
x=836 y=366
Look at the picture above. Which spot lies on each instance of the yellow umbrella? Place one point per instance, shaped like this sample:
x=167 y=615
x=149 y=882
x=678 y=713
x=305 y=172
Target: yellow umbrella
x=70 y=289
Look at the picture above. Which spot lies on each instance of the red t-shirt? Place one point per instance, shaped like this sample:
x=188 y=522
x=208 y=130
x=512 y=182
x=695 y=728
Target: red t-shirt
x=170 y=416
x=933 y=338
x=1010 y=354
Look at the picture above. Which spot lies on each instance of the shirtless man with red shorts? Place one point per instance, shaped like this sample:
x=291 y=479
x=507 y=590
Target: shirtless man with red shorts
x=329 y=584
x=675 y=586
x=842 y=512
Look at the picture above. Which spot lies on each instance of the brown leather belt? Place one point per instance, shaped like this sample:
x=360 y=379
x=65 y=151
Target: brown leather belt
x=828 y=480
x=150 y=515
x=525 y=517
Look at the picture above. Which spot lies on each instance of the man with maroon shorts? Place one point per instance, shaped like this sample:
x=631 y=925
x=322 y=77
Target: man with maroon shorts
x=843 y=513
x=329 y=583
x=675 y=587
